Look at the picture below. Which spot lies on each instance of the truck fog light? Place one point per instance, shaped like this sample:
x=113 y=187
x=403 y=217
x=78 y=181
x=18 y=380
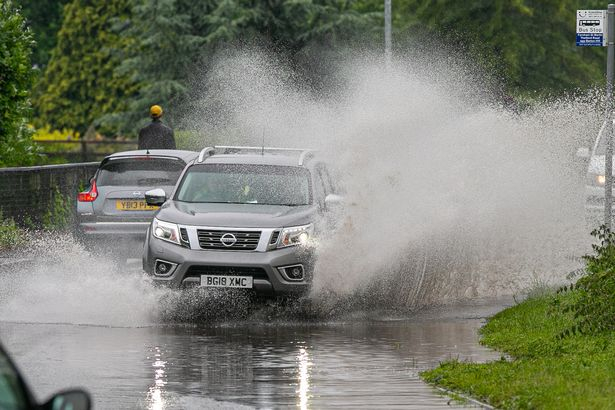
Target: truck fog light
x=164 y=268
x=293 y=272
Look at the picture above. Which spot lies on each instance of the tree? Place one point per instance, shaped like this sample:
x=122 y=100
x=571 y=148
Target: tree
x=80 y=83
x=184 y=35
x=44 y=17
x=528 y=43
x=16 y=147
x=164 y=51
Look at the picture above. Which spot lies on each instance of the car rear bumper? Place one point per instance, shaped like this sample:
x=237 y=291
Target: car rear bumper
x=124 y=238
x=267 y=277
x=101 y=229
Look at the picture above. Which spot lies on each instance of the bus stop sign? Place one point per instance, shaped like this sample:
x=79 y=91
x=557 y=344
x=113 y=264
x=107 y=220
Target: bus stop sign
x=591 y=28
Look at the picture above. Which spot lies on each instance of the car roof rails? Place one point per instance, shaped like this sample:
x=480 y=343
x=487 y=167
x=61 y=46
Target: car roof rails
x=209 y=151
x=304 y=153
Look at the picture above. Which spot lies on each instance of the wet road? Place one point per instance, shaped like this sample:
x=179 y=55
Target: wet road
x=362 y=363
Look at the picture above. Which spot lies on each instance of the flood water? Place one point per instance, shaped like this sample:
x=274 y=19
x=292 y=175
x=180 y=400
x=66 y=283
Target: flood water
x=371 y=362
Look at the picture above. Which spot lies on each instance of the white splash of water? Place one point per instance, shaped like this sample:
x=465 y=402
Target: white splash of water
x=448 y=195
x=492 y=199
x=63 y=283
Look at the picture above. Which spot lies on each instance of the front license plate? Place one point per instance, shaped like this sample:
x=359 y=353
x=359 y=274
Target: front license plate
x=218 y=281
x=133 y=205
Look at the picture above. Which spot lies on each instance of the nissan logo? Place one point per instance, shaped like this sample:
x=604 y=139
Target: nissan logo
x=228 y=240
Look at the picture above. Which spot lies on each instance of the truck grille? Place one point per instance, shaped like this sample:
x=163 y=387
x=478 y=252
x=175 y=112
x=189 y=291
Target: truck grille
x=228 y=240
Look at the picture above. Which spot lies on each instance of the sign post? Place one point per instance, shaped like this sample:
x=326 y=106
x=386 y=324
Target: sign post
x=591 y=32
x=608 y=155
x=387 y=32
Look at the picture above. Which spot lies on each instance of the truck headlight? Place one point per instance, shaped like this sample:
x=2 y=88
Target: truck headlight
x=295 y=235
x=166 y=231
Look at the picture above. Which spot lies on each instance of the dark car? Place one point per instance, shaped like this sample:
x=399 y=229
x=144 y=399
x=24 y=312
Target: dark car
x=241 y=217
x=112 y=212
x=15 y=394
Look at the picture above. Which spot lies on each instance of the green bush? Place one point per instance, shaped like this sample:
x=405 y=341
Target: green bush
x=592 y=298
x=16 y=73
x=11 y=236
x=59 y=217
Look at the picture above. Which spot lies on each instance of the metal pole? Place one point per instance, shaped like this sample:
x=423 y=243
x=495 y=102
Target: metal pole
x=84 y=150
x=387 y=31
x=608 y=157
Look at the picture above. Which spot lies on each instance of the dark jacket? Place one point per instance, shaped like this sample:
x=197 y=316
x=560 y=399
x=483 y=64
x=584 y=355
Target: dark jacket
x=156 y=135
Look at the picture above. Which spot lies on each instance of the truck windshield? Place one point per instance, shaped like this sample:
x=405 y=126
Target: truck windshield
x=246 y=184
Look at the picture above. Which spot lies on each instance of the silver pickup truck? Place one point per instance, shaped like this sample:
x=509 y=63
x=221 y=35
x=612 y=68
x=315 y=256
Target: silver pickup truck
x=241 y=217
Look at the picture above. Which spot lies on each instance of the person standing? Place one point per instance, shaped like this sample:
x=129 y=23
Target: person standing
x=156 y=135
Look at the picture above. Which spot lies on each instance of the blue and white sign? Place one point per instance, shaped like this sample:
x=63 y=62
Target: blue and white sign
x=590 y=28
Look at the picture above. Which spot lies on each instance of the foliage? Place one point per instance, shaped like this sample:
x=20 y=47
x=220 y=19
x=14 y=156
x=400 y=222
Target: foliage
x=113 y=59
x=59 y=152
x=163 y=29
x=16 y=146
x=529 y=44
x=80 y=83
x=591 y=299
x=604 y=258
x=196 y=141
x=546 y=372
x=44 y=18
x=59 y=216
x=187 y=34
x=11 y=236
x=47 y=134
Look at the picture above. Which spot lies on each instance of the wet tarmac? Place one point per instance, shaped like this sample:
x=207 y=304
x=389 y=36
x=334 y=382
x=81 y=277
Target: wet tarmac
x=370 y=362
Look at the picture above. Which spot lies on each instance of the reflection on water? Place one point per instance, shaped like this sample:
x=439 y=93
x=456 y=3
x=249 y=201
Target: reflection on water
x=349 y=365
x=154 y=396
x=303 y=360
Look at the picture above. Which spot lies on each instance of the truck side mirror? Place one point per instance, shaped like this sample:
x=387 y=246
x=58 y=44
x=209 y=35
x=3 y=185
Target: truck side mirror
x=155 y=197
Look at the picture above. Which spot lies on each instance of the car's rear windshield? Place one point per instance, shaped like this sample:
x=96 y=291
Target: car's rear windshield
x=144 y=171
x=246 y=184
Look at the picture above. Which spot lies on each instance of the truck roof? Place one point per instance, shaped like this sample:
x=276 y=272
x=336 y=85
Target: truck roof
x=266 y=159
x=255 y=155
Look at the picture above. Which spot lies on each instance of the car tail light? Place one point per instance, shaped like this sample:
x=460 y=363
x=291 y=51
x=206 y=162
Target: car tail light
x=88 y=196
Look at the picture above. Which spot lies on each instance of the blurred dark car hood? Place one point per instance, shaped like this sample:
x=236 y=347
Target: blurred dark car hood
x=236 y=215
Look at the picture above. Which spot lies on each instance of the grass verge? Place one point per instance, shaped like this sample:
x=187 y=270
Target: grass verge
x=546 y=371
x=560 y=346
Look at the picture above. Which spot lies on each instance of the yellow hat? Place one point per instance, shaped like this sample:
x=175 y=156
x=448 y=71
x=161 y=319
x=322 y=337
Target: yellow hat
x=155 y=111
